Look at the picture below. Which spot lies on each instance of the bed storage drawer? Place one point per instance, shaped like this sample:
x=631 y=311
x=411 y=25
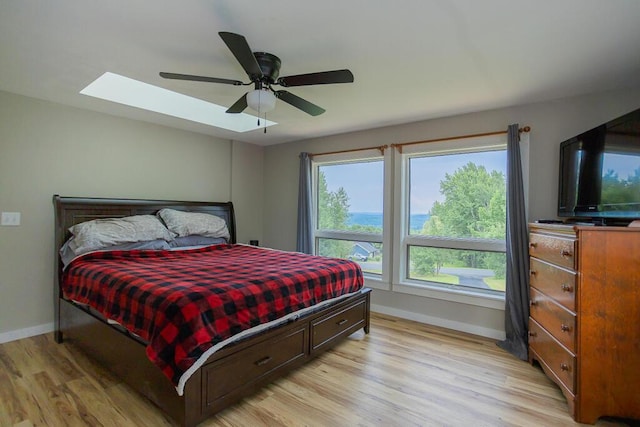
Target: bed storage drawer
x=325 y=329
x=251 y=365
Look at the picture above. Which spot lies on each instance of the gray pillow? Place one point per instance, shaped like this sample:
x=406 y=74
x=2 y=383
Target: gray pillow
x=100 y=233
x=190 y=223
x=67 y=254
x=196 y=240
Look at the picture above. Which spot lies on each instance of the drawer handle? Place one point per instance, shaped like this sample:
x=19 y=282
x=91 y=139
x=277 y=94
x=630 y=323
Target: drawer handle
x=263 y=361
x=533 y=273
x=564 y=367
x=533 y=302
x=565 y=328
x=566 y=288
x=342 y=322
x=532 y=245
x=566 y=253
x=532 y=334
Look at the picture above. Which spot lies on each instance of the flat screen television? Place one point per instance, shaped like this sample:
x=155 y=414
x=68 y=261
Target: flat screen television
x=600 y=173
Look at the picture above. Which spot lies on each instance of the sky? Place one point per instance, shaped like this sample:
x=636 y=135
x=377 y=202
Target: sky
x=624 y=166
x=364 y=182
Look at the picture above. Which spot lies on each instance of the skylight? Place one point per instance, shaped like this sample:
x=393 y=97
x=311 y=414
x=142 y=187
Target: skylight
x=123 y=90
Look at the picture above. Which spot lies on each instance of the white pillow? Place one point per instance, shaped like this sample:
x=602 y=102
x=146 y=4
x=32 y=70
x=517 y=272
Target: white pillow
x=100 y=233
x=190 y=223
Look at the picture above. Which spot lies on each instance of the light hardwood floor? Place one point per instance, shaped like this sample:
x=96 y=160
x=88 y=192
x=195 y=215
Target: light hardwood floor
x=402 y=374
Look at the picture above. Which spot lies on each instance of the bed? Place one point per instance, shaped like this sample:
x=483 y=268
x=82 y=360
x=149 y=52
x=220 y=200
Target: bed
x=221 y=376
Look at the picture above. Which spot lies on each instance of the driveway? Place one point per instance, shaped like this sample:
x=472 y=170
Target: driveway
x=469 y=276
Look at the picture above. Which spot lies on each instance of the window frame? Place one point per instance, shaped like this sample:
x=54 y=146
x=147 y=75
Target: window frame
x=395 y=236
x=379 y=281
x=404 y=240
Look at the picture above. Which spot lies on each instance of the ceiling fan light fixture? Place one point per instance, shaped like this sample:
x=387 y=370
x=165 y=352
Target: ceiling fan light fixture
x=261 y=100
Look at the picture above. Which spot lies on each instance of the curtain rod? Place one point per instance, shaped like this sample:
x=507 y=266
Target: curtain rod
x=475 y=135
x=381 y=148
x=399 y=146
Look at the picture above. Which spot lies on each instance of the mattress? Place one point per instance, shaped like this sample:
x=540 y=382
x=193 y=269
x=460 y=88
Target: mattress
x=188 y=304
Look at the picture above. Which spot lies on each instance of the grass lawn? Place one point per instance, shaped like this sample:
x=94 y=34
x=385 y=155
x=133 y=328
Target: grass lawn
x=496 y=284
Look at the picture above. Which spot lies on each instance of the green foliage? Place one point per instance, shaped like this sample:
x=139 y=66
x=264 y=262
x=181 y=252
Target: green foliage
x=334 y=248
x=429 y=260
x=365 y=228
x=333 y=212
x=474 y=207
x=620 y=191
x=333 y=207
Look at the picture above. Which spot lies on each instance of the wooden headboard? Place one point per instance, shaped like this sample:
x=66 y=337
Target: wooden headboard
x=73 y=210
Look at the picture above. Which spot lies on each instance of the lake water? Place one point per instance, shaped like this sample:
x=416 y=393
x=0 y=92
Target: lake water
x=375 y=219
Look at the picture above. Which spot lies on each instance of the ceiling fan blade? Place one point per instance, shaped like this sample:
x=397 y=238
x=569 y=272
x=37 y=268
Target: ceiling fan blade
x=200 y=78
x=321 y=78
x=299 y=103
x=241 y=50
x=239 y=105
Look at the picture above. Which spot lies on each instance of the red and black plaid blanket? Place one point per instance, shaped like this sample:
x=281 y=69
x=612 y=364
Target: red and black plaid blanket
x=185 y=302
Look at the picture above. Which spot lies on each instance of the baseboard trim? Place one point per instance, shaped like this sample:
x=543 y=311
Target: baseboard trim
x=438 y=321
x=19 y=334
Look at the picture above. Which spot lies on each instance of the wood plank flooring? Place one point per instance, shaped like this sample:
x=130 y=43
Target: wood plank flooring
x=402 y=374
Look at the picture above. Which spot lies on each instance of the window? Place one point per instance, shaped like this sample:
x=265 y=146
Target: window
x=349 y=211
x=454 y=216
x=429 y=219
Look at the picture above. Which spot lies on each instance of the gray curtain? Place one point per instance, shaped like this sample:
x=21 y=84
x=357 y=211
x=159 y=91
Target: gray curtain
x=304 y=242
x=517 y=291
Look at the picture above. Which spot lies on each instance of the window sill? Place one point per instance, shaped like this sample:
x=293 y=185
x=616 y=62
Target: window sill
x=375 y=282
x=461 y=296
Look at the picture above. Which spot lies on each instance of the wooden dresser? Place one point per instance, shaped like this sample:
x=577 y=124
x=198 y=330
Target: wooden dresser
x=584 y=324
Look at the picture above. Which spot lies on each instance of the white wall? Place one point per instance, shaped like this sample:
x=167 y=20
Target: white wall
x=551 y=123
x=48 y=149
x=246 y=189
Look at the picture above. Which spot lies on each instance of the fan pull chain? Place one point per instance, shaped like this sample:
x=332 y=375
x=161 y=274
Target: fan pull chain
x=259 y=104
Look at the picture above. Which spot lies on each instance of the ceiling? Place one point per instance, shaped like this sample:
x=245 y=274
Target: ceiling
x=412 y=59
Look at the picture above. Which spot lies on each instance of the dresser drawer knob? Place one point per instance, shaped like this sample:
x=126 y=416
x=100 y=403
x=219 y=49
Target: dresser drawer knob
x=532 y=334
x=566 y=288
x=532 y=303
x=564 y=367
x=566 y=253
x=533 y=272
x=532 y=245
x=565 y=328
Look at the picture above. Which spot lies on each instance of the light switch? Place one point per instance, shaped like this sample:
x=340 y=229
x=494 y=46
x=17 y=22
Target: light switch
x=10 y=218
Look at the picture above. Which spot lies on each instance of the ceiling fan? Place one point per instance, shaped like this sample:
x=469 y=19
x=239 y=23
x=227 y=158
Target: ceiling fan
x=263 y=70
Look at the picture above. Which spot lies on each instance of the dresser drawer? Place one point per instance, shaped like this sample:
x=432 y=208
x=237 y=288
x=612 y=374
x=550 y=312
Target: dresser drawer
x=557 y=250
x=251 y=365
x=560 y=322
x=557 y=358
x=556 y=282
x=325 y=329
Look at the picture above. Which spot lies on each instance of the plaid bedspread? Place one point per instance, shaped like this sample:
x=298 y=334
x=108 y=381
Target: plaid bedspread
x=183 y=303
